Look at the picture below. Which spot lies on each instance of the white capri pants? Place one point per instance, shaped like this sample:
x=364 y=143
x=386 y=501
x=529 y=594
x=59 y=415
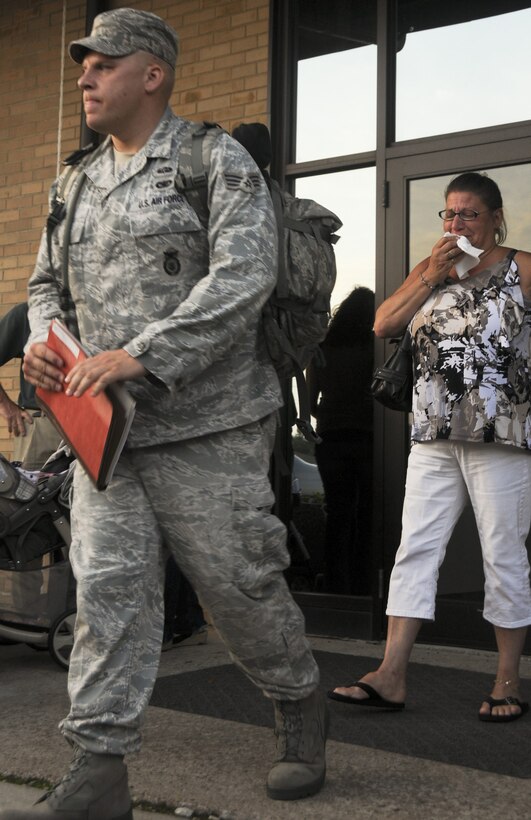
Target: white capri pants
x=441 y=476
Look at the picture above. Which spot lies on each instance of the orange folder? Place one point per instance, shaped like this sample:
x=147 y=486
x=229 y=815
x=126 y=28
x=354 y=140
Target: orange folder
x=95 y=427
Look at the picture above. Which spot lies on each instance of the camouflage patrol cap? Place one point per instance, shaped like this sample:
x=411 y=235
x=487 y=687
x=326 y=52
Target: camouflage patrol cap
x=123 y=31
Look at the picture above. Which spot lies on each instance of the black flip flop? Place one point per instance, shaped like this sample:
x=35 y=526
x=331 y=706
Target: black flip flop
x=374 y=698
x=509 y=701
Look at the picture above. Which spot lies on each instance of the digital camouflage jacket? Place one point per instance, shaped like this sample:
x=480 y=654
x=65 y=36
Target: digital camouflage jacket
x=185 y=300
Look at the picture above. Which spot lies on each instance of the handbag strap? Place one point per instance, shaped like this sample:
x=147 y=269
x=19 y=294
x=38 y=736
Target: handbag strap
x=403 y=342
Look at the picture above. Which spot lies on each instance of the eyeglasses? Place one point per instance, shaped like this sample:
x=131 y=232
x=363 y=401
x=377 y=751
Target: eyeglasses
x=466 y=214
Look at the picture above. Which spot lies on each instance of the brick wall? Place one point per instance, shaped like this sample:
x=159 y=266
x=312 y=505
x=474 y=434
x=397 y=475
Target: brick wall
x=222 y=75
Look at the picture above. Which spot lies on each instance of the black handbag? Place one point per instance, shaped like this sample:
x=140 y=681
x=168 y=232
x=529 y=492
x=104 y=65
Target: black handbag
x=392 y=383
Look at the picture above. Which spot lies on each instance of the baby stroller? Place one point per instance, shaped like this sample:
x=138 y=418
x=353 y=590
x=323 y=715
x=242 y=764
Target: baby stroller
x=37 y=587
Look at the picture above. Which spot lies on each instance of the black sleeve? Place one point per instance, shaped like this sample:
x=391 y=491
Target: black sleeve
x=14 y=333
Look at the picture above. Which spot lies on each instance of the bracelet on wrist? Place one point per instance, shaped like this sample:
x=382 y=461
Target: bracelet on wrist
x=425 y=282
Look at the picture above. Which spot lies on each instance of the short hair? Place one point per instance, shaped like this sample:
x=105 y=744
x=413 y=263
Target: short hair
x=480 y=184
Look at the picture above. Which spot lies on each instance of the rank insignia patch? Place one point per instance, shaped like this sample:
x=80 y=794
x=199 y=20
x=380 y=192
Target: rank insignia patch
x=237 y=182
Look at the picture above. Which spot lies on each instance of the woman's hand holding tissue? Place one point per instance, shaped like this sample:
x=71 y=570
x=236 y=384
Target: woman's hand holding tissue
x=444 y=255
x=469 y=257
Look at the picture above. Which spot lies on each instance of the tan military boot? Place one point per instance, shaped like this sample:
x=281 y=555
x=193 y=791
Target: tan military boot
x=301 y=727
x=94 y=788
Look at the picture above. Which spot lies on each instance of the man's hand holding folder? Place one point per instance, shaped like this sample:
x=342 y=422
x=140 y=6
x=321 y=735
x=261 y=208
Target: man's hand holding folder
x=83 y=396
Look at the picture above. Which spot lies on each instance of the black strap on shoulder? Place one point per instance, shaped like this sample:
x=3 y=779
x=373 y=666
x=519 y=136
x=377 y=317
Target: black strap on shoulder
x=64 y=184
x=278 y=208
x=67 y=190
x=192 y=181
x=76 y=156
x=508 y=259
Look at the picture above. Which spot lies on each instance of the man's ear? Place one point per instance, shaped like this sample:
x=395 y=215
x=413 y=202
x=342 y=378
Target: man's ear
x=154 y=77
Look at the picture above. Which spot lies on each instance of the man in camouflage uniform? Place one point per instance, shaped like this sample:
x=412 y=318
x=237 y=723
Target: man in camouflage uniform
x=171 y=309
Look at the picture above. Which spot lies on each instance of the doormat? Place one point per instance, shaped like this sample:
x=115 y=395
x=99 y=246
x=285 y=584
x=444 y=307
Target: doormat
x=439 y=722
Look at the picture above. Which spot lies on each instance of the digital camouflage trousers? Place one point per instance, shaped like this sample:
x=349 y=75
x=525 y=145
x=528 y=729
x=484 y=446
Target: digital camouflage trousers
x=208 y=501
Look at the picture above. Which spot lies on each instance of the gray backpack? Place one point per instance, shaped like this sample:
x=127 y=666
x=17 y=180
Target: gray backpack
x=296 y=315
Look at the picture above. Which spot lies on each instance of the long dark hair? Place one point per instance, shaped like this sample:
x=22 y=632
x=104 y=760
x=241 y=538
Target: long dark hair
x=352 y=321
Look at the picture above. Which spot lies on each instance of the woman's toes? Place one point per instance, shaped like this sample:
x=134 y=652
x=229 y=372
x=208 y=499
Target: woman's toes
x=351 y=692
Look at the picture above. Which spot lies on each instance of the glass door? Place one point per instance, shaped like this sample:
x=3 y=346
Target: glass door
x=333 y=560
x=416 y=186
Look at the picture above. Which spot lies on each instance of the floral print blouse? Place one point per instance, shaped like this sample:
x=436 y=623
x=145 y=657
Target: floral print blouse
x=471 y=350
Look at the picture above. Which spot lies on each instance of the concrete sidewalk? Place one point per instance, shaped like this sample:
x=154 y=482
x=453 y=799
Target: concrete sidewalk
x=211 y=768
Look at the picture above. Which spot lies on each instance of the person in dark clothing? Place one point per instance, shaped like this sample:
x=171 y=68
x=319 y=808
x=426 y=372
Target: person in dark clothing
x=14 y=333
x=341 y=402
x=256 y=139
x=184 y=622
x=35 y=436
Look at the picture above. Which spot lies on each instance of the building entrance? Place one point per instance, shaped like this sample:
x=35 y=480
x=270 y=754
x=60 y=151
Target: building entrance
x=375 y=106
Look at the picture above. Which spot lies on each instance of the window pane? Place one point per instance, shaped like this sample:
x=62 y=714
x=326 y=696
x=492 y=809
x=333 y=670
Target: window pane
x=352 y=196
x=427 y=197
x=336 y=104
x=341 y=552
x=459 y=77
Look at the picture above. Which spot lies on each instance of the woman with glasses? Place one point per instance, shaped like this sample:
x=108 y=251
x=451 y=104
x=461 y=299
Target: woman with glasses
x=471 y=438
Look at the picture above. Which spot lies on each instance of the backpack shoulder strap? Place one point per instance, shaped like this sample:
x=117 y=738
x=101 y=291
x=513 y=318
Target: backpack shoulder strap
x=67 y=190
x=66 y=179
x=278 y=208
x=191 y=178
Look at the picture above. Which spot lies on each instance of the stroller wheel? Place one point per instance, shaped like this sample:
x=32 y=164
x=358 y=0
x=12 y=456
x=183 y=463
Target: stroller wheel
x=61 y=638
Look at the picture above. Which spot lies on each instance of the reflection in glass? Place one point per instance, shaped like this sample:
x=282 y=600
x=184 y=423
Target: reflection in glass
x=459 y=77
x=352 y=196
x=346 y=458
x=328 y=123
x=340 y=400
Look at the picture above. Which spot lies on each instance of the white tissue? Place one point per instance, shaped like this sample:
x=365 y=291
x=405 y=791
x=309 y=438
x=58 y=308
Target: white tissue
x=471 y=257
